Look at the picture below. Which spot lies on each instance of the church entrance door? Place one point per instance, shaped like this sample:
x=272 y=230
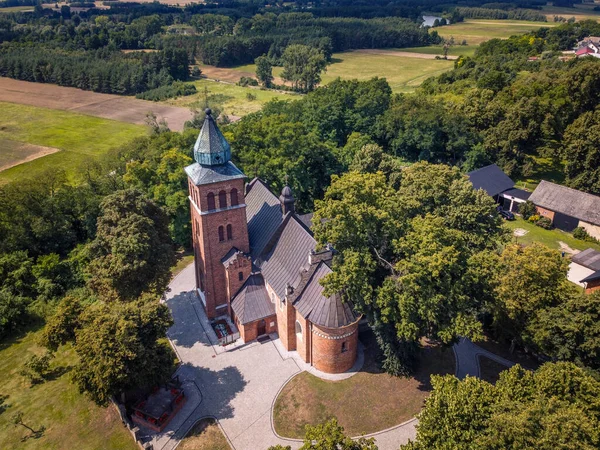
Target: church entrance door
x=262 y=328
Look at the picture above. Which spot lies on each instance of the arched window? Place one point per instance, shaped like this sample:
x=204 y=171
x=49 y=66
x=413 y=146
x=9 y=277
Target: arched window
x=229 y=232
x=221 y=234
x=298 y=330
x=240 y=276
x=222 y=199
x=210 y=198
x=234 y=199
x=344 y=347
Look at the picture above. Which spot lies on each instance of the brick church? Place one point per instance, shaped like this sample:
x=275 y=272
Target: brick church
x=257 y=263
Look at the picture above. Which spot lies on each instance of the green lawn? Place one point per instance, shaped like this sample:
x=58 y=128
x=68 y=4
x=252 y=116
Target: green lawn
x=71 y=421
x=544 y=169
x=13 y=9
x=234 y=99
x=367 y=402
x=78 y=136
x=478 y=31
x=550 y=238
x=403 y=73
x=455 y=50
x=205 y=435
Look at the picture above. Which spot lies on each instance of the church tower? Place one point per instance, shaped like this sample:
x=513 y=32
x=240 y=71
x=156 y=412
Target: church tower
x=218 y=210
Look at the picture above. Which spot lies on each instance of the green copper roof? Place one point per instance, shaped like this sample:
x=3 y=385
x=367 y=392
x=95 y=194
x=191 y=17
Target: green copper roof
x=211 y=148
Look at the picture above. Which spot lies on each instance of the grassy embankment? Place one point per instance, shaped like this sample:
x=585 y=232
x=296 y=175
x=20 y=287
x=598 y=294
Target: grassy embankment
x=71 y=421
x=79 y=137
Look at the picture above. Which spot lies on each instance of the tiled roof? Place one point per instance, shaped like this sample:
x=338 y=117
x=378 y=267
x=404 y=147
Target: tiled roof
x=570 y=202
x=263 y=212
x=286 y=255
x=252 y=302
x=589 y=258
x=329 y=312
x=212 y=174
x=491 y=179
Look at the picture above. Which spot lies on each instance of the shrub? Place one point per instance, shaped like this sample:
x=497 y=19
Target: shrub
x=527 y=209
x=36 y=368
x=176 y=89
x=247 y=81
x=545 y=223
x=250 y=96
x=581 y=234
x=534 y=218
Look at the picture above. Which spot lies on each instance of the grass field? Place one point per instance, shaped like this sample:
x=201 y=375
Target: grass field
x=477 y=31
x=364 y=403
x=580 y=12
x=456 y=50
x=403 y=73
x=234 y=99
x=13 y=9
x=78 y=136
x=205 y=435
x=550 y=238
x=71 y=421
x=13 y=153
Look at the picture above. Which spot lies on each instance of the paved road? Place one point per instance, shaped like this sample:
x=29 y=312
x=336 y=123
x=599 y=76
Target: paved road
x=239 y=387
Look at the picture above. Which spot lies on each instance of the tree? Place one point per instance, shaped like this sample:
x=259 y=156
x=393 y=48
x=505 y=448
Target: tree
x=302 y=65
x=118 y=348
x=569 y=331
x=556 y=407
x=528 y=280
x=330 y=436
x=409 y=258
x=264 y=70
x=582 y=152
x=132 y=252
x=61 y=326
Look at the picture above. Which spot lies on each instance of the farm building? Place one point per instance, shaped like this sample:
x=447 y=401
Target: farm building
x=499 y=186
x=589 y=46
x=584 y=270
x=568 y=208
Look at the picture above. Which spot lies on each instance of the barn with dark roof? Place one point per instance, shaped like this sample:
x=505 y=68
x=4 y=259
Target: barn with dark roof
x=258 y=266
x=568 y=208
x=499 y=186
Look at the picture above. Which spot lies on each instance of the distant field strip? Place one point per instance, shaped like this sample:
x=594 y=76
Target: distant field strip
x=107 y=106
x=13 y=153
x=79 y=138
x=478 y=31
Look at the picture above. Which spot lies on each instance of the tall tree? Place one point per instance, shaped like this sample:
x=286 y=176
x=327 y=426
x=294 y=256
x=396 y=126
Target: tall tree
x=118 y=348
x=557 y=407
x=302 y=65
x=264 y=71
x=132 y=252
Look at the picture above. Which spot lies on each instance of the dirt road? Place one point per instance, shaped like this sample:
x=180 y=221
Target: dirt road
x=108 y=106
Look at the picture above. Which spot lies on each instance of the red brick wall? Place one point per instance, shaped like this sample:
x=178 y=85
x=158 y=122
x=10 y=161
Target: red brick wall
x=249 y=331
x=327 y=355
x=206 y=240
x=285 y=323
x=545 y=213
x=592 y=286
x=240 y=264
x=302 y=344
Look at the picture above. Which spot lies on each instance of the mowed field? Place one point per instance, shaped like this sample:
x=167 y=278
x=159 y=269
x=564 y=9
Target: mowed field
x=79 y=137
x=236 y=101
x=107 y=106
x=71 y=421
x=477 y=31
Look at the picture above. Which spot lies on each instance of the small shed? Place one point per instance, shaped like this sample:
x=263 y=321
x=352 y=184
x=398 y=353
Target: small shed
x=584 y=269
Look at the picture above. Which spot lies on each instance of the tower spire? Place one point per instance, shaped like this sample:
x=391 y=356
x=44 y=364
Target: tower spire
x=211 y=148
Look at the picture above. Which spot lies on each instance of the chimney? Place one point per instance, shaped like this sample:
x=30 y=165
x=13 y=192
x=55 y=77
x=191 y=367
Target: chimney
x=315 y=257
x=287 y=200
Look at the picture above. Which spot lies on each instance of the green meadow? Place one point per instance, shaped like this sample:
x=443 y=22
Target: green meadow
x=79 y=137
